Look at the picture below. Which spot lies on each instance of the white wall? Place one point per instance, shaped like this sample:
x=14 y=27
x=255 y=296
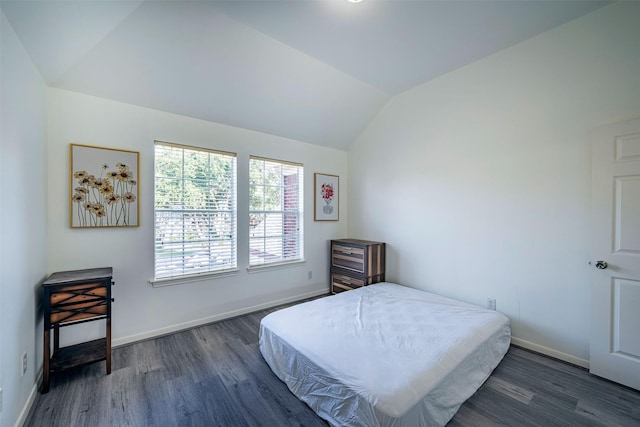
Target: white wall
x=23 y=236
x=480 y=181
x=141 y=310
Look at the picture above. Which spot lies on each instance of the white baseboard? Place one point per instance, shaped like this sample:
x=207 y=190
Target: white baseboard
x=215 y=318
x=550 y=352
x=22 y=418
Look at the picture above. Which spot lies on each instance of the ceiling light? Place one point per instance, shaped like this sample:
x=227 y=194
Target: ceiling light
x=354 y=1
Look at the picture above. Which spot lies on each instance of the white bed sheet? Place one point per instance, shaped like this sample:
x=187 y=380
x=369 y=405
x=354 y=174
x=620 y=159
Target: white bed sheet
x=384 y=355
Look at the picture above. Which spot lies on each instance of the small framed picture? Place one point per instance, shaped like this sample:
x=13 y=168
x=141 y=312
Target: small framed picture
x=103 y=187
x=326 y=202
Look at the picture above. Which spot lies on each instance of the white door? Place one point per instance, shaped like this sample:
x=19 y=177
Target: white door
x=615 y=289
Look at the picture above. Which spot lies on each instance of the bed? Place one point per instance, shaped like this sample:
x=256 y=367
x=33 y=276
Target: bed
x=384 y=354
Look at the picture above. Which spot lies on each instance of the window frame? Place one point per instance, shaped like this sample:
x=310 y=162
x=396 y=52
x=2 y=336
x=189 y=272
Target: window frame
x=298 y=213
x=232 y=223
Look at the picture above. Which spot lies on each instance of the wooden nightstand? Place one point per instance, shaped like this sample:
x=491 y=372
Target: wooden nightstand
x=70 y=298
x=356 y=263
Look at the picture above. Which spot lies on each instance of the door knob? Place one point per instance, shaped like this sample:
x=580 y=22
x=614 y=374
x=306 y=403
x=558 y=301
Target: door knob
x=601 y=265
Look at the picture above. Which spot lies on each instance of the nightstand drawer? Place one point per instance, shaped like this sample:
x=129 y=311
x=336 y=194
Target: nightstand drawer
x=78 y=293
x=78 y=302
x=349 y=258
x=81 y=311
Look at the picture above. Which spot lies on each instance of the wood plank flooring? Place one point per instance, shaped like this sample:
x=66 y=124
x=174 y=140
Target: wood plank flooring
x=214 y=375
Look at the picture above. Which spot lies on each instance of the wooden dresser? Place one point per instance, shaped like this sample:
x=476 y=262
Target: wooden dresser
x=70 y=298
x=356 y=263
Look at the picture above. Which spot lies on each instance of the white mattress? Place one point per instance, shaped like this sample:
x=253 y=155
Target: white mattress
x=384 y=355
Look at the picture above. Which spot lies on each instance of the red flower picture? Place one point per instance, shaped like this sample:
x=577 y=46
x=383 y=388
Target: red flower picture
x=326 y=202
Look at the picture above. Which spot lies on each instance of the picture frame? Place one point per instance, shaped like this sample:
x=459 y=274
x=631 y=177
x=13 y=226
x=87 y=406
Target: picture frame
x=326 y=199
x=103 y=187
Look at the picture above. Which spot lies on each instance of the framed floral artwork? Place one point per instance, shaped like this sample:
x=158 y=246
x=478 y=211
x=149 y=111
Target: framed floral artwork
x=103 y=187
x=326 y=202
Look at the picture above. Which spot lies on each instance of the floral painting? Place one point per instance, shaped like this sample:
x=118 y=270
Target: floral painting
x=326 y=201
x=104 y=187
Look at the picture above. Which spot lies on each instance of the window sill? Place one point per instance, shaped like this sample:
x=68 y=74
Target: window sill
x=170 y=281
x=275 y=266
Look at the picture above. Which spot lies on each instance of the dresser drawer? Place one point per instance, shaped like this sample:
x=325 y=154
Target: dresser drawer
x=340 y=282
x=348 y=257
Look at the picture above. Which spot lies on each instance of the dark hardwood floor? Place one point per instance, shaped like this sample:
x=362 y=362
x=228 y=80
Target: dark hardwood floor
x=214 y=375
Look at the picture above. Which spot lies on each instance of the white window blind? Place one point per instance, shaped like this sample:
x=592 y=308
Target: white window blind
x=195 y=211
x=275 y=211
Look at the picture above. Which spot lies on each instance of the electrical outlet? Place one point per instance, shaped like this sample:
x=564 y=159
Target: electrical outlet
x=24 y=363
x=491 y=303
x=309 y=275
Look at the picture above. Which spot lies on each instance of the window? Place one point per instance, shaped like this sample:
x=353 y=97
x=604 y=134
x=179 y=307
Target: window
x=195 y=211
x=275 y=211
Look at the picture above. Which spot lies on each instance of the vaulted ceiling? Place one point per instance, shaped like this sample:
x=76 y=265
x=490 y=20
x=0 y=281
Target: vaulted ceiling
x=312 y=70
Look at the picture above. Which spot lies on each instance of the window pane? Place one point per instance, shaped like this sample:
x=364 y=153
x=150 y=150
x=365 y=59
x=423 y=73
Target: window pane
x=195 y=211
x=276 y=214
